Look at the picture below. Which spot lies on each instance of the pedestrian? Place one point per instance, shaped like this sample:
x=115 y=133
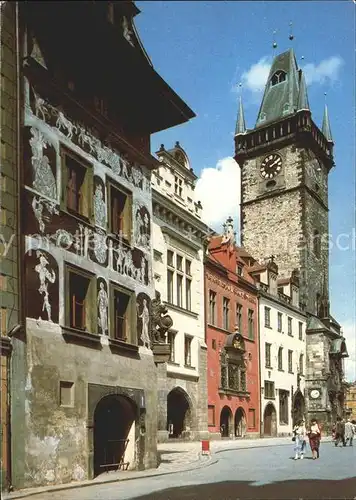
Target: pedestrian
x=349 y=432
x=340 y=432
x=314 y=434
x=299 y=437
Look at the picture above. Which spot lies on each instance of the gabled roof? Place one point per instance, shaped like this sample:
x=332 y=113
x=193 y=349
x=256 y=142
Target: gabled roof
x=314 y=323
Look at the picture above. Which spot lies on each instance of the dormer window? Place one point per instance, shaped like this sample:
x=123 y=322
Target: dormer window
x=263 y=117
x=239 y=270
x=285 y=108
x=279 y=77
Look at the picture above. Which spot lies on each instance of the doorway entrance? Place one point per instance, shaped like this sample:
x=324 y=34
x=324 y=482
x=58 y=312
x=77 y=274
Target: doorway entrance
x=298 y=407
x=225 y=421
x=270 y=421
x=178 y=413
x=114 y=433
x=240 y=423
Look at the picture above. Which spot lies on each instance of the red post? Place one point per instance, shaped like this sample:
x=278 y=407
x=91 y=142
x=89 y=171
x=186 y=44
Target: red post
x=205 y=447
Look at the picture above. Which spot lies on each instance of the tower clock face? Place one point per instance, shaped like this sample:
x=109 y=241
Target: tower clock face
x=271 y=166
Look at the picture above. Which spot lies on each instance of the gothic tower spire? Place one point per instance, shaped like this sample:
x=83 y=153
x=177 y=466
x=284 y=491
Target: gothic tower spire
x=240 y=122
x=326 y=129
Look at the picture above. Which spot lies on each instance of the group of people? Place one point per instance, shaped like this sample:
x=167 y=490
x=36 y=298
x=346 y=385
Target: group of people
x=300 y=435
x=342 y=432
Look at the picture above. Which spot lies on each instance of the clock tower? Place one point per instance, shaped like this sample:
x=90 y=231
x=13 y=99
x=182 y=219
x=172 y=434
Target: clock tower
x=285 y=161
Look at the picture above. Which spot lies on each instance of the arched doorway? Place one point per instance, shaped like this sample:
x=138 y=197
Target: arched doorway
x=225 y=421
x=270 y=421
x=240 y=423
x=178 y=413
x=298 y=407
x=114 y=433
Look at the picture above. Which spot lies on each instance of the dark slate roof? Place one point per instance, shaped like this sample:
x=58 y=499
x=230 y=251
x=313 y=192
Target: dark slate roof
x=314 y=323
x=240 y=122
x=281 y=99
x=326 y=129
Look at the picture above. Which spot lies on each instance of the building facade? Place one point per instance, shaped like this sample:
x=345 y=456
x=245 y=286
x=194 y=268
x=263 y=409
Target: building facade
x=178 y=266
x=282 y=326
x=285 y=161
x=350 y=401
x=232 y=339
x=10 y=274
x=86 y=361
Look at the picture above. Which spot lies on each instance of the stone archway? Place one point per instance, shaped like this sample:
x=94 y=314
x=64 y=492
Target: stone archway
x=240 y=423
x=178 y=413
x=298 y=407
x=114 y=433
x=225 y=421
x=270 y=421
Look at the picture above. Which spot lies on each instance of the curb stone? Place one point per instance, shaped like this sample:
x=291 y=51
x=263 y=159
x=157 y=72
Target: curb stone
x=200 y=464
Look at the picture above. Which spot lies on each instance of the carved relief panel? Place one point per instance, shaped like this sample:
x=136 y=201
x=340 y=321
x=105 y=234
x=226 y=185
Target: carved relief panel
x=42 y=297
x=103 y=305
x=99 y=203
x=143 y=304
x=142 y=226
x=40 y=163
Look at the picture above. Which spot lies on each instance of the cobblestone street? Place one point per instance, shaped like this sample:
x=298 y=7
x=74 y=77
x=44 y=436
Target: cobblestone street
x=236 y=469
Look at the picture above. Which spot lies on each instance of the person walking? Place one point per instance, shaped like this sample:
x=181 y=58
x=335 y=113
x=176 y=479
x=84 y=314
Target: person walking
x=340 y=432
x=314 y=434
x=349 y=432
x=299 y=436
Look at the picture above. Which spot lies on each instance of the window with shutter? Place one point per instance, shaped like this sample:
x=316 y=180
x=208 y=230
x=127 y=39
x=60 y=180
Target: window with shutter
x=120 y=203
x=77 y=175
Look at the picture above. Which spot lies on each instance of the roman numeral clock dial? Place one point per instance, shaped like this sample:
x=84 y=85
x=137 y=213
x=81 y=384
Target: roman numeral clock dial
x=271 y=166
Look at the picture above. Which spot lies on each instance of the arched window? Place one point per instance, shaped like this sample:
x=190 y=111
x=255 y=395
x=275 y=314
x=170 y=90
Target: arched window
x=279 y=77
x=316 y=243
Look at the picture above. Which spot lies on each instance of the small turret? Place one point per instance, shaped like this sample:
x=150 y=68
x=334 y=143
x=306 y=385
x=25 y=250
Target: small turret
x=326 y=129
x=240 y=122
x=303 y=102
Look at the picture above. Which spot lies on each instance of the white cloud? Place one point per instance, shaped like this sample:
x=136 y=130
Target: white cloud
x=327 y=71
x=218 y=189
x=255 y=78
x=349 y=332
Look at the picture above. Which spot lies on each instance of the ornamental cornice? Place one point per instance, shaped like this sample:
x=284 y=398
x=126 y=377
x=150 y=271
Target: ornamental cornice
x=161 y=201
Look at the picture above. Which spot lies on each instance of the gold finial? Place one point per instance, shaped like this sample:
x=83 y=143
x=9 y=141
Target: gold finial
x=291 y=36
x=274 y=44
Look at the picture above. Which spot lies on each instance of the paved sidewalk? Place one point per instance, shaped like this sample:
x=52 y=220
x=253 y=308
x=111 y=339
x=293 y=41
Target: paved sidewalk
x=174 y=457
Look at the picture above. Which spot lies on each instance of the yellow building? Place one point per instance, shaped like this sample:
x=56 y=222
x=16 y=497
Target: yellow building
x=350 y=401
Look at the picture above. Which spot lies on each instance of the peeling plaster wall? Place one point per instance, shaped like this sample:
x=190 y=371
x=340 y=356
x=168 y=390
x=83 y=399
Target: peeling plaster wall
x=57 y=436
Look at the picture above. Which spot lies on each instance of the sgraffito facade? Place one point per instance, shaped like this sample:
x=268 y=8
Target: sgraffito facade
x=87 y=360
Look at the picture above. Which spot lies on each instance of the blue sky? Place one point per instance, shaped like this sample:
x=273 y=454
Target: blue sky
x=204 y=49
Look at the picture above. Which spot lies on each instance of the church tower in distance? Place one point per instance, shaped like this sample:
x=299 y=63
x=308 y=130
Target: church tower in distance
x=285 y=161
